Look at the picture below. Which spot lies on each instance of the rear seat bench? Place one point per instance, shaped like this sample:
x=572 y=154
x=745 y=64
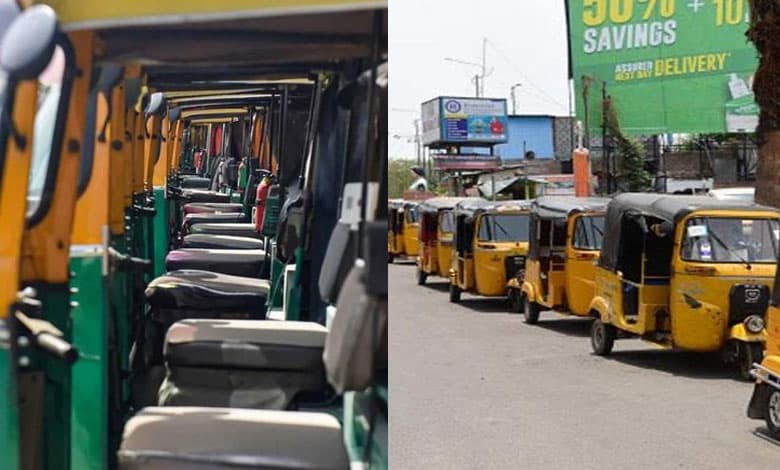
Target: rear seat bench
x=248 y=263
x=235 y=229
x=244 y=363
x=192 y=438
x=230 y=242
x=211 y=207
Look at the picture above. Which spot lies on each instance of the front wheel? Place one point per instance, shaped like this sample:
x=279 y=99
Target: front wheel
x=516 y=301
x=530 y=311
x=748 y=354
x=454 y=293
x=602 y=337
x=772 y=415
x=421 y=277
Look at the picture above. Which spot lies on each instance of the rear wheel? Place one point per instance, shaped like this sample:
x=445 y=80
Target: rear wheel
x=516 y=301
x=530 y=311
x=748 y=354
x=602 y=337
x=454 y=293
x=772 y=415
x=421 y=277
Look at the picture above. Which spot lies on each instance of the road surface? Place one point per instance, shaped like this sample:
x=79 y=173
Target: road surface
x=473 y=387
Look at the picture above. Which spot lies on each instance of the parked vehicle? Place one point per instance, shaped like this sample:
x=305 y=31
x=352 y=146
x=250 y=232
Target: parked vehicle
x=491 y=243
x=688 y=272
x=564 y=244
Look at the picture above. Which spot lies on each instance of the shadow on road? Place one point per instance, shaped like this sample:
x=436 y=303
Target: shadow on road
x=436 y=285
x=486 y=305
x=579 y=327
x=763 y=433
x=682 y=363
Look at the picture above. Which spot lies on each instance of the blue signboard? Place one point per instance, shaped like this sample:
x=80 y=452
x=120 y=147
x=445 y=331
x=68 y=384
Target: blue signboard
x=465 y=120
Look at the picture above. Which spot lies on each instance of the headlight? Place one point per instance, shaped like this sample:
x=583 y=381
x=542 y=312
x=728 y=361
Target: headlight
x=754 y=324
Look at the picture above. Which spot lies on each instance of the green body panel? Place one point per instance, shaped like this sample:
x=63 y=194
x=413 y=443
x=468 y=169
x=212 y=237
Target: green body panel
x=293 y=308
x=89 y=411
x=355 y=421
x=242 y=175
x=273 y=205
x=277 y=281
x=119 y=303
x=161 y=232
x=9 y=412
x=236 y=197
x=57 y=394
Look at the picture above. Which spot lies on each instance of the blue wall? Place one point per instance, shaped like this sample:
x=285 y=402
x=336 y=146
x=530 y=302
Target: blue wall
x=535 y=131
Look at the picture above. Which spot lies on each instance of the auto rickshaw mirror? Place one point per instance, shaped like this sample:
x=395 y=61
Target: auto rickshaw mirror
x=28 y=45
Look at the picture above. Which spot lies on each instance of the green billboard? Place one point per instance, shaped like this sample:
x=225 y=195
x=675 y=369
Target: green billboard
x=674 y=66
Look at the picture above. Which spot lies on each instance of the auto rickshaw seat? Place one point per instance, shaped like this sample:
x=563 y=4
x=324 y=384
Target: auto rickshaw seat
x=230 y=242
x=208 y=293
x=212 y=217
x=199 y=195
x=211 y=207
x=194 y=182
x=243 y=363
x=235 y=229
x=198 y=438
x=247 y=263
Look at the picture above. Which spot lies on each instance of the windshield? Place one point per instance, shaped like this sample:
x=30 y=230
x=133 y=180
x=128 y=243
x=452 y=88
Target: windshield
x=504 y=228
x=731 y=240
x=411 y=215
x=588 y=232
x=49 y=87
x=447 y=222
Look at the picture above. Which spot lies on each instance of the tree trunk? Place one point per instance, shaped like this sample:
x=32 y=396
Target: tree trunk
x=764 y=32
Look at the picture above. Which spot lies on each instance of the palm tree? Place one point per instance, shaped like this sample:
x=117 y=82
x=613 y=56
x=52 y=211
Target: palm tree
x=764 y=32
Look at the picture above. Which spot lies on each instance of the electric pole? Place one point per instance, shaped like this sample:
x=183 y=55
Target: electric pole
x=514 y=100
x=479 y=79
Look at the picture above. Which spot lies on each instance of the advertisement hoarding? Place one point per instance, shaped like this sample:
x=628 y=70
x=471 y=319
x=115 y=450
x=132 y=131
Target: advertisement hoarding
x=450 y=120
x=668 y=65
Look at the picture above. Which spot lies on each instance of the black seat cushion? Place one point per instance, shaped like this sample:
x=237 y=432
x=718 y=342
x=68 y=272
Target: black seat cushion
x=244 y=363
x=207 y=293
x=206 y=240
x=208 y=207
x=238 y=230
x=195 y=182
x=247 y=263
x=212 y=217
x=198 y=195
x=196 y=438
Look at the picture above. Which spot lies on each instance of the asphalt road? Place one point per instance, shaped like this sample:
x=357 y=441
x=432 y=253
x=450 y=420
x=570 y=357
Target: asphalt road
x=473 y=387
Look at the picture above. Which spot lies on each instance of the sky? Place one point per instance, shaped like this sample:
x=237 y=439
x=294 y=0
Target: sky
x=527 y=44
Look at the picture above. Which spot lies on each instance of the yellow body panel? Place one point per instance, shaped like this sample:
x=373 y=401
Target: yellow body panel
x=444 y=253
x=81 y=13
x=46 y=246
x=13 y=193
x=92 y=207
x=773 y=332
x=160 y=174
x=410 y=238
x=120 y=186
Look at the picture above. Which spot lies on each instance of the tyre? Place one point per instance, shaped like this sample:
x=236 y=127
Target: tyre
x=421 y=277
x=772 y=414
x=516 y=301
x=748 y=354
x=530 y=311
x=602 y=337
x=454 y=293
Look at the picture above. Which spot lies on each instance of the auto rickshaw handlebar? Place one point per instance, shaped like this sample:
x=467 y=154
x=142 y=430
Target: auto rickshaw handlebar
x=129 y=263
x=57 y=346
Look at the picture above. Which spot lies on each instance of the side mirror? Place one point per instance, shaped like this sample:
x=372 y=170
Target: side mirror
x=28 y=45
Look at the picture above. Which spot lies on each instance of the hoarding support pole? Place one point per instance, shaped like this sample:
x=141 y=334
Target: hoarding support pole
x=493 y=186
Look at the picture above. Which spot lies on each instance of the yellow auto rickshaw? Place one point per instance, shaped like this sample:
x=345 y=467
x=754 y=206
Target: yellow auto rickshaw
x=765 y=401
x=491 y=243
x=688 y=272
x=395 y=229
x=402 y=232
x=436 y=219
x=565 y=239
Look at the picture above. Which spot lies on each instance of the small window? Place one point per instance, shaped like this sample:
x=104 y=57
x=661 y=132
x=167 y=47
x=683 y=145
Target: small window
x=588 y=232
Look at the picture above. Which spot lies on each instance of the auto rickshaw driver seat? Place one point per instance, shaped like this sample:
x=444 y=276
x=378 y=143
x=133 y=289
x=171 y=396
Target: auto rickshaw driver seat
x=248 y=263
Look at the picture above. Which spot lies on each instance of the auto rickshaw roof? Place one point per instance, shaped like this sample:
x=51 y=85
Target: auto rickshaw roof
x=670 y=208
x=436 y=204
x=560 y=207
x=674 y=207
x=475 y=206
x=395 y=204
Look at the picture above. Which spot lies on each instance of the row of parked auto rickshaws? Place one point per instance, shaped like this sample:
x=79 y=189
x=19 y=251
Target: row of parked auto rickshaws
x=185 y=282
x=693 y=273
